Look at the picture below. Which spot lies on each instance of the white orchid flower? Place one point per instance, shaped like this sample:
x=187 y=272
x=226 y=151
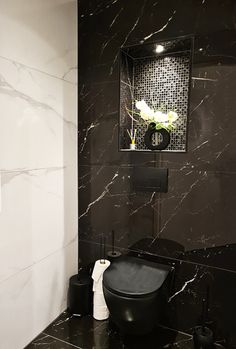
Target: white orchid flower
x=146 y=112
x=149 y=114
x=145 y=116
x=160 y=117
x=172 y=116
x=141 y=105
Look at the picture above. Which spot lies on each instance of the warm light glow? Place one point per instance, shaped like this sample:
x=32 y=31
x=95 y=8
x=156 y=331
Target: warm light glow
x=159 y=48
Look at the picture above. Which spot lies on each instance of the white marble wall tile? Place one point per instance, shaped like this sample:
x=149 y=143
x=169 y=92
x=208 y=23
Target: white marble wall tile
x=32 y=220
x=38 y=169
x=35 y=109
x=40 y=34
x=33 y=298
x=38 y=164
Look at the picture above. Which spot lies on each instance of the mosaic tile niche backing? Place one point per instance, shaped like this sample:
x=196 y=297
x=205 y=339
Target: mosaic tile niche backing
x=161 y=81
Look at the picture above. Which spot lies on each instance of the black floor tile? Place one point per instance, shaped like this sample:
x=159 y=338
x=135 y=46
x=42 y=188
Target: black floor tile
x=68 y=332
x=88 y=333
x=44 y=341
x=84 y=332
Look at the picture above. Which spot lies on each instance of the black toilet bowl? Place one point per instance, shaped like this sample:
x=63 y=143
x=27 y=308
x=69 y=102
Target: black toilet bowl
x=135 y=293
x=133 y=315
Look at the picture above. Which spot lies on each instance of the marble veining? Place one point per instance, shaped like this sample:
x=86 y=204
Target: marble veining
x=38 y=156
x=115 y=18
x=87 y=333
x=8 y=89
x=101 y=196
x=183 y=287
x=161 y=29
x=192 y=225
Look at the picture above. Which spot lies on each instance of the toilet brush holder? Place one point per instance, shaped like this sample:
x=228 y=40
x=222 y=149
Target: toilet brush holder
x=203 y=338
x=112 y=255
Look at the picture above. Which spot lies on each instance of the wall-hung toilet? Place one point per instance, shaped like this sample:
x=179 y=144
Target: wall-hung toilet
x=135 y=291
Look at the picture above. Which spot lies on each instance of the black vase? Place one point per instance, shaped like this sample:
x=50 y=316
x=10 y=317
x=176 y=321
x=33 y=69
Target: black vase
x=148 y=137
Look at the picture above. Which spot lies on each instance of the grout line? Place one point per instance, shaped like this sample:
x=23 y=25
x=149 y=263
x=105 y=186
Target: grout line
x=165 y=257
x=26 y=170
x=104 y=82
x=61 y=340
x=40 y=260
x=128 y=166
x=174 y=330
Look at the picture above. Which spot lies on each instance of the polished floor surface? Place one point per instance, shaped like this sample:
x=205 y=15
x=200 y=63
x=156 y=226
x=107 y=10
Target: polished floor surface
x=68 y=332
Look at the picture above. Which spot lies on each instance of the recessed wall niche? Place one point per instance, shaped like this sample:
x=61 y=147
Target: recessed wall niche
x=159 y=74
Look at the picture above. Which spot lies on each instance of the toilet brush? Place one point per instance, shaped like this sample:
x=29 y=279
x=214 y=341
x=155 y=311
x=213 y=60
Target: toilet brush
x=102 y=249
x=203 y=336
x=112 y=255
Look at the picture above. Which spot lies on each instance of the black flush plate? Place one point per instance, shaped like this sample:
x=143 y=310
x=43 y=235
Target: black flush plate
x=150 y=179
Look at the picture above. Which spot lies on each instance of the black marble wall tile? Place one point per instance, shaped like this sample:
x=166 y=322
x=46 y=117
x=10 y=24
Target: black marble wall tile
x=109 y=200
x=198 y=213
x=193 y=224
x=185 y=302
x=98 y=101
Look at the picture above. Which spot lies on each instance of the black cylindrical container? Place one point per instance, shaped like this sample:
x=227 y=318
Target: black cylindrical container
x=203 y=338
x=80 y=294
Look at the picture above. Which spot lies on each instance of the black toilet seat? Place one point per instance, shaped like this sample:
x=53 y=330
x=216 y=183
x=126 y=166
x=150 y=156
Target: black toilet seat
x=134 y=277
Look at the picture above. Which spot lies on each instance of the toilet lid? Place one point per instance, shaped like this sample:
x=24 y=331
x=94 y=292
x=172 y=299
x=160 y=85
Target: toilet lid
x=134 y=277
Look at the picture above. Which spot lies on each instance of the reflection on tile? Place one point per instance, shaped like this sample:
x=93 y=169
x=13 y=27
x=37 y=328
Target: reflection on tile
x=45 y=341
x=88 y=333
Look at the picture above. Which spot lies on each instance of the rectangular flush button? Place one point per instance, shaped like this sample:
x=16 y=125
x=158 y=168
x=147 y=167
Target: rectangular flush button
x=150 y=179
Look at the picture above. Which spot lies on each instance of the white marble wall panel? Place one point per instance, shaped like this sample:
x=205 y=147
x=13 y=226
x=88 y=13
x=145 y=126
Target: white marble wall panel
x=41 y=34
x=38 y=164
x=33 y=298
x=35 y=108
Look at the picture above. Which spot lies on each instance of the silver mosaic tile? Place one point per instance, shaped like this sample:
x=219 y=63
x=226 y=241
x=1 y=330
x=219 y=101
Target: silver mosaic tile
x=163 y=82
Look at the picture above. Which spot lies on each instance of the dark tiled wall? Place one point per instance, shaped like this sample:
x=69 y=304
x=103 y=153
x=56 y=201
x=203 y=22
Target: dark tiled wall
x=193 y=225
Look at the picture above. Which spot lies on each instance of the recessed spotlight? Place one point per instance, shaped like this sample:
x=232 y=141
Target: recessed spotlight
x=159 y=48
